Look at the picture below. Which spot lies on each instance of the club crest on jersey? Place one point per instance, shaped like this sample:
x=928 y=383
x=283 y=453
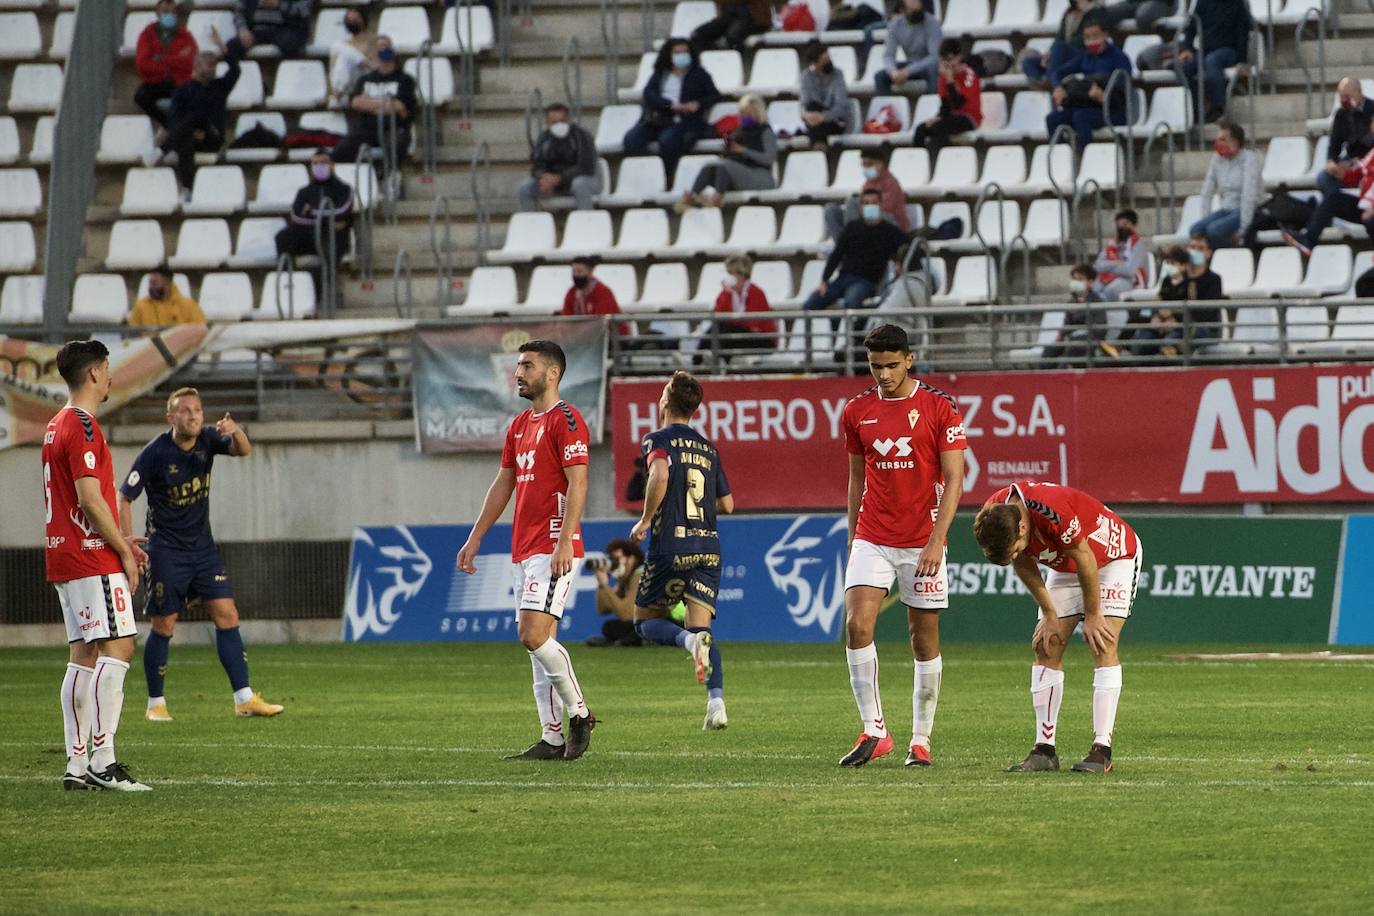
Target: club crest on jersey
x=885 y=446
x=539 y=435
x=912 y=417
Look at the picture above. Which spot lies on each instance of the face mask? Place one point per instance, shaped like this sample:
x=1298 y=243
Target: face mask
x=560 y=129
x=353 y=26
x=1123 y=233
x=1173 y=270
x=747 y=121
x=916 y=17
x=321 y=171
x=870 y=173
x=682 y=60
x=160 y=293
x=1078 y=286
x=1095 y=47
x=167 y=21
x=580 y=282
x=1196 y=258
x=386 y=54
x=1224 y=150
x=828 y=68
x=872 y=213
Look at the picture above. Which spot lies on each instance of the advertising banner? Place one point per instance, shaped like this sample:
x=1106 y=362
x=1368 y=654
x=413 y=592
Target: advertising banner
x=1272 y=434
x=464 y=380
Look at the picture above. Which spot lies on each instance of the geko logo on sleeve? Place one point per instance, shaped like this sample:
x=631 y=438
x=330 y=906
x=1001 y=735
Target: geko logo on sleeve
x=574 y=450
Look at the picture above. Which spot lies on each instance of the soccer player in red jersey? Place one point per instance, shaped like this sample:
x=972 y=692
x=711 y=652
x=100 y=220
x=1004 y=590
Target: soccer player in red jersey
x=906 y=473
x=544 y=464
x=1094 y=560
x=94 y=569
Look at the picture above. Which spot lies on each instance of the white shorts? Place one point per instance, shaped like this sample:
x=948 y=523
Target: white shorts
x=97 y=607
x=539 y=590
x=1116 y=589
x=876 y=567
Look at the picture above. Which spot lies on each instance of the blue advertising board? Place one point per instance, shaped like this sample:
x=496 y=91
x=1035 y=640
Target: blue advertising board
x=1354 y=623
x=782 y=580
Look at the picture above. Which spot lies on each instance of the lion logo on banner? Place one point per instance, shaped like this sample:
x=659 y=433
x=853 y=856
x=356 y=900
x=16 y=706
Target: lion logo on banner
x=387 y=566
x=807 y=565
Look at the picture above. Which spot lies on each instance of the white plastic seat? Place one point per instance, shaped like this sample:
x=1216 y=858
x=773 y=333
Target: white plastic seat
x=1100 y=163
x=19 y=36
x=611 y=125
x=1015 y=16
x=999 y=228
x=199 y=24
x=60 y=46
x=1004 y=166
x=688 y=15
x=528 y=235
x=974 y=282
x=548 y=287
x=9 y=141
x=218 y=190
x=1329 y=271
x=1190 y=213
x=635 y=90
x=911 y=166
x=336 y=122
x=753 y=230
x=688 y=167
x=665 y=286
x=709 y=280
x=489 y=289
x=774 y=278
x=441 y=70
x=18 y=252
x=642 y=230
x=256 y=245
x=40 y=153
x=1236 y=267
x=846 y=61
x=21 y=300
x=362 y=179
x=802 y=231
x=479 y=37
x=407 y=26
x=1046 y=159
x=1305 y=324
x=994 y=114
x=1279 y=273
x=36 y=87
x=944 y=210
x=99 y=299
x=226 y=296
x=202 y=244
x=774 y=70
x=726 y=69
x=784 y=116
x=701 y=229
x=1047 y=222
x=20 y=192
x=806 y=174
x=277 y=187
x=1352 y=334
x=294 y=299
x=300 y=84
x=1286 y=162
x=1046 y=335
x=641 y=178
x=1255 y=331
x=849 y=176
x=271 y=120
x=1135 y=44
x=329 y=28
x=966 y=16
x=587 y=232
x=135 y=244
x=901 y=106
x=955 y=166
x=124 y=138
x=621 y=279
x=248 y=91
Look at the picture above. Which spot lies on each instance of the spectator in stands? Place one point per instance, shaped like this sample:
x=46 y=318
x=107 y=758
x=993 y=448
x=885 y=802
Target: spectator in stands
x=1350 y=136
x=822 y=95
x=351 y=57
x=961 y=100
x=589 y=296
x=917 y=33
x=199 y=108
x=624 y=562
x=325 y=190
x=1145 y=13
x=1336 y=204
x=677 y=98
x=1080 y=87
x=1226 y=26
x=563 y=162
x=1234 y=175
x=165 y=304
x=387 y=88
x=734 y=22
x=1067 y=44
x=284 y=23
x=1164 y=330
x=738 y=296
x=165 y=55
x=862 y=253
x=750 y=152
x=1121 y=267
x=1082 y=328
x=877 y=177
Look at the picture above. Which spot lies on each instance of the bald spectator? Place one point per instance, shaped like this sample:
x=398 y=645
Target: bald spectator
x=1350 y=136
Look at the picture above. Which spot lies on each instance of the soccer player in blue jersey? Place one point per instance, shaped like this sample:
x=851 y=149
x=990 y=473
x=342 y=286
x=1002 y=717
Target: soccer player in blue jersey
x=184 y=564
x=686 y=488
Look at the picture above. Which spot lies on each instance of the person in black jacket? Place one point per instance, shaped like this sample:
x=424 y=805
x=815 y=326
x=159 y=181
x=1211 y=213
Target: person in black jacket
x=677 y=99
x=284 y=23
x=1188 y=277
x=387 y=87
x=862 y=252
x=563 y=161
x=1226 y=28
x=196 y=121
x=1350 y=135
x=324 y=191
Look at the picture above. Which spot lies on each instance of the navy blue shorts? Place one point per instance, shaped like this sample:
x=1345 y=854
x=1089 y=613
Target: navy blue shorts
x=177 y=577
x=667 y=580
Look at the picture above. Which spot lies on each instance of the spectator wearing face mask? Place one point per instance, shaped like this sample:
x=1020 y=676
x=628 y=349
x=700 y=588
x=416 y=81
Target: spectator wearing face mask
x=196 y=121
x=1083 y=329
x=165 y=304
x=563 y=161
x=1234 y=175
x=386 y=88
x=1067 y=44
x=1163 y=331
x=750 y=152
x=1350 y=137
x=823 y=96
x=1121 y=267
x=589 y=296
x=165 y=54
x=961 y=100
x=324 y=191
x=1080 y=87
x=738 y=297
x=917 y=34
x=624 y=563
x=351 y=57
x=862 y=254
x=877 y=177
x=677 y=97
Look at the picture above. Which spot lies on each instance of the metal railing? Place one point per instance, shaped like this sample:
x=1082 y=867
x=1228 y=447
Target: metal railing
x=286 y=271
x=1162 y=129
x=1079 y=193
x=388 y=133
x=467 y=68
x=648 y=26
x=572 y=78
x=1199 y=58
x=534 y=116
x=992 y=263
x=400 y=271
x=1063 y=134
x=610 y=41
x=502 y=23
x=429 y=120
x=1123 y=137
x=1027 y=267
x=364 y=221
x=441 y=246
x=1299 y=31
x=480 y=182
x=326 y=248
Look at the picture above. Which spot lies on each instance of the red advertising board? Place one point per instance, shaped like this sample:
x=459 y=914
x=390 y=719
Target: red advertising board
x=1273 y=434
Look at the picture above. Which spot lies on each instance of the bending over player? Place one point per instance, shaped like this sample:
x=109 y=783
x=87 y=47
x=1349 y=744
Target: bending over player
x=185 y=565
x=686 y=488
x=1095 y=561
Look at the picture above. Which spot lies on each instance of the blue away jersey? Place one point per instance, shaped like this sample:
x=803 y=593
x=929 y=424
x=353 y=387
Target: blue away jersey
x=686 y=520
x=178 y=485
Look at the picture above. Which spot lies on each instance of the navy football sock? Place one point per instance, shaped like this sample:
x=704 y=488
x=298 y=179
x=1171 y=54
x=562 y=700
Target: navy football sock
x=663 y=632
x=229 y=645
x=716 y=682
x=155 y=652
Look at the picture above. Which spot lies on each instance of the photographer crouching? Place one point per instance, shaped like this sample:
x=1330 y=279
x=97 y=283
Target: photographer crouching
x=623 y=563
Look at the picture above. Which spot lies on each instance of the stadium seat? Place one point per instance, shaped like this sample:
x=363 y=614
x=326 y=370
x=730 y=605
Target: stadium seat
x=998 y=225
x=1101 y=162
x=135 y=23
x=805 y=175
x=589 y=232
x=1047 y=223
x=1190 y=213
x=709 y=280
x=20 y=192
x=774 y=71
x=36 y=87
x=611 y=125
x=60 y=46
x=642 y=230
x=21 y=300
x=300 y=84
x=287 y=296
x=18 y=253
x=1014 y=16
x=1047 y=335
x=901 y=107
x=966 y=16
x=218 y=190
x=974 y=282
x=726 y=69
x=202 y=244
x=272 y=120
x=688 y=167
x=1278 y=273
x=1286 y=163
x=1329 y=271
x=256 y=245
x=849 y=176
x=277 y=187
x=199 y=24
x=1026 y=121
x=489 y=289
x=1004 y=166
x=635 y=90
x=1352 y=334
x=528 y=236
x=99 y=299
x=40 y=153
x=641 y=179
x=688 y=15
x=248 y=91
x=622 y=281
x=135 y=244
x=1236 y=267
x=124 y=139
x=19 y=36
x=408 y=27
x=700 y=230
x=336 y=122
x=956 y=166
x=846 y=60
x=944 y=210
x=149 y=192
x=9 y=141
x=774 y=278
x=226 y=296
x=1305 y=324
x=802 y=232
x=1171 y=105
x=455 y=34
x=665 y=287
x=1254 y=332
x=753 y=230
x=1060 y=158
x=910 y=165
x=784 y=116
x=440 y=71
x=549 y=285
x=329 y=28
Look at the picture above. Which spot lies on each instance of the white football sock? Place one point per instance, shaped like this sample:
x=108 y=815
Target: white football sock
x=154 y=702
x=76 y=689
x=925 y=695
x=107 y=701
x=550 y=706
x=863 y=678
x=559 y=670
x=1106 y=694
x=243 y=695
x=1047 y=695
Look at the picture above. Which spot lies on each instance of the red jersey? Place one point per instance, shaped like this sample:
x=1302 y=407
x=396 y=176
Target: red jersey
x=901 y=440
x=539 y=446
x=74 y=447
x=596 y=298
x=971 y=88
x=1061 y=517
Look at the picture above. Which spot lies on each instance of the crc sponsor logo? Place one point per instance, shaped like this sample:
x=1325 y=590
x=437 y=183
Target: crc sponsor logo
x=807 y=565
x=386 y=570
x=1071 y=532
x=928 y=586
x=884 y=447
x=574 y=450
x=1115 y=594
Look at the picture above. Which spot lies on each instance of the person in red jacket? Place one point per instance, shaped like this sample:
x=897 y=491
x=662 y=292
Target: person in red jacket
x=739 y=296
x=166 y=50
x=589 y=296
x=961 y=100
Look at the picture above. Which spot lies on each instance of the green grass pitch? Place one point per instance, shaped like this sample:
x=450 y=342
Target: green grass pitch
x=1239 y=788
